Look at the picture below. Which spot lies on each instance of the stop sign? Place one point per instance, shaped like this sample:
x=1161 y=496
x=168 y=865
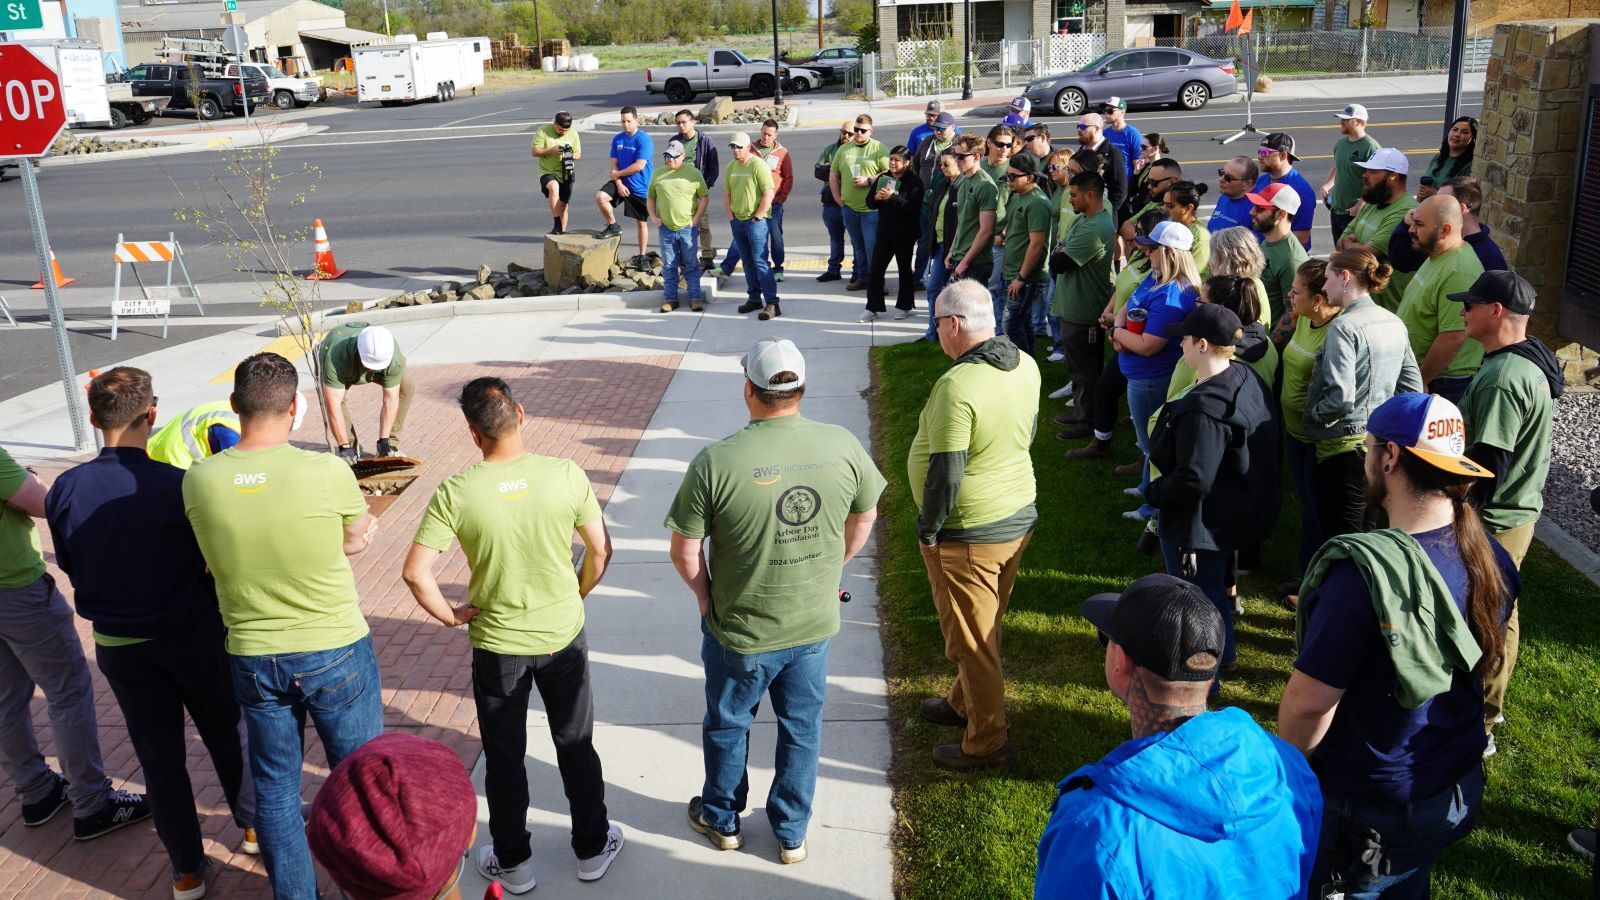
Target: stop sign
x=31 y=112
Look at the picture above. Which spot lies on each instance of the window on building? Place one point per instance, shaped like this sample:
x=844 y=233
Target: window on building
x=1070 y=17
x=988 y=22
x=923 y=21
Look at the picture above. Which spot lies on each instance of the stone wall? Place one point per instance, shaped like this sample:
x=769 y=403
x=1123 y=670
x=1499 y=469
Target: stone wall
x=1527 y=158
x=1486 y=14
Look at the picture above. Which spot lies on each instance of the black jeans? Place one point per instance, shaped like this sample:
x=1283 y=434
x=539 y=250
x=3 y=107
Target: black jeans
x=154 y=682
x=898 y=244
x=1341 y=501
x=1108 y=392
x=500 y=686
x=1085 y=360
x=1338 y=222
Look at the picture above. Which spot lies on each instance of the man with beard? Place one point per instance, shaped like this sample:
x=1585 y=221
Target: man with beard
x=1446 y=356
x=1091 y=134
x=1272 y=213
x=1340 y=189
x=1385 y=204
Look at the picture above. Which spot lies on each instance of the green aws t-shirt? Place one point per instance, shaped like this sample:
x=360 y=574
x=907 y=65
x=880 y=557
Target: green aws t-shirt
x=1374 y=226
x=1283 y=260
x=859 y=160
x=975 y=194
x=515 y=521
x=1081 y=293
x=1346 y=174
x=1508 y=406
x=341 y=363
x=545 y=137
x=997 y=174
x=772 y=498
x=1028 y=213
x=271 y=526
x=1299 y=358
x=1428 y=312
x=677 y=193
x=21 y=562
x=746 y=182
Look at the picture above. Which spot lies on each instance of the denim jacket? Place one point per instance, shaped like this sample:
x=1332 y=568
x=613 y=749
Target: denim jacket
x=1365 y=360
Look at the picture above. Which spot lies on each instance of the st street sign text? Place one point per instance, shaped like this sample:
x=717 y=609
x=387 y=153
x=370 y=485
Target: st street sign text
x=20 y=15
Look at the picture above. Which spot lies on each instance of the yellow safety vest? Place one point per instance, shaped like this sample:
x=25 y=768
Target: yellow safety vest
x=183 y=441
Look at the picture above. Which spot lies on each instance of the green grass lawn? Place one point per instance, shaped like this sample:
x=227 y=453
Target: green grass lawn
x=798 y=43
x=975 y=836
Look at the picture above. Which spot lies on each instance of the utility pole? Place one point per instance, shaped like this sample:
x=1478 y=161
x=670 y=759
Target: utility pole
x=1458 y=52
x=538 y=33
x=819 y=24
x=966 y=51
x=386 y=29
x=777 y=70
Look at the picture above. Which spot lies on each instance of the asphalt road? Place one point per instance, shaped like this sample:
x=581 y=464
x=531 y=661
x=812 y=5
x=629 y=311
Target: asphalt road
x=443 y=188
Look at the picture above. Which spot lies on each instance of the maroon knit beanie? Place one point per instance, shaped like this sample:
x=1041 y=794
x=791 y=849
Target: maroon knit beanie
x=393 y=819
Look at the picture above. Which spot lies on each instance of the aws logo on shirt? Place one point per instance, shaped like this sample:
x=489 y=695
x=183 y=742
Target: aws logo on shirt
x=766 y=475
x=511 y=490
x=250 y=482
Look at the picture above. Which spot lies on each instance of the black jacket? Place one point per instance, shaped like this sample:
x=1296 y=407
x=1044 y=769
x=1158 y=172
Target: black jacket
x=901 y=214
x=1115 y=172
x=1217 y=449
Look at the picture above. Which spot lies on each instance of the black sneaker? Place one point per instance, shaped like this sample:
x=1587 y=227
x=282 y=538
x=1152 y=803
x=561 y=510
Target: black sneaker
x=830 y=276
x=122 y=808
x=36 y=814
x=557 y=230
x=750 y=306
x=722 y=840
x=611 y=230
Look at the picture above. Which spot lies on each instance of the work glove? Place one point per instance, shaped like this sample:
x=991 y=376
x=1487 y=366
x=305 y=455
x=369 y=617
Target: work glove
x=385 y=448
x=348 y=453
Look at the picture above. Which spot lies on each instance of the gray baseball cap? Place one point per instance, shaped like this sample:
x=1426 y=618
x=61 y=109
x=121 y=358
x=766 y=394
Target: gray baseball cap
x=769 y=357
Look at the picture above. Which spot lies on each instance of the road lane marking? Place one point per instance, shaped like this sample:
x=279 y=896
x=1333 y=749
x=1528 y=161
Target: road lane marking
x=482 y=116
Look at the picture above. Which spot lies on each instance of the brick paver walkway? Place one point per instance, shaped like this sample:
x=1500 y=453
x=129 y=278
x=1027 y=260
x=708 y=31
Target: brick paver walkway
x=592 y=411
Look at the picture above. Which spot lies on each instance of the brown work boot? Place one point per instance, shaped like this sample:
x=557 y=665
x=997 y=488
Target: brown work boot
x=951 y=756
x=1133 y=469
x=1068 y=418
x=1096 y=449
x=1075 y=433
x=939 y=711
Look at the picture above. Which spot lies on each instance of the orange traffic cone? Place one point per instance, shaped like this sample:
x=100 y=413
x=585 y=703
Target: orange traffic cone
x=61 y=281
x=324 y=266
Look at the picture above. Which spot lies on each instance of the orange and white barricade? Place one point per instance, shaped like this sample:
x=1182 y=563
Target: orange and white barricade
x=152 y=303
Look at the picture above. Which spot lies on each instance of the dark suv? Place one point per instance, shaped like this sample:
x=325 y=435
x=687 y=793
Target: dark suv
x=208 y=96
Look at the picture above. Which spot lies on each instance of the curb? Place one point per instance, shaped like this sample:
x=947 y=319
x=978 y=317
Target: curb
x=1569 y=548
x=289 y=132
x=450 y=309
x=614 y=120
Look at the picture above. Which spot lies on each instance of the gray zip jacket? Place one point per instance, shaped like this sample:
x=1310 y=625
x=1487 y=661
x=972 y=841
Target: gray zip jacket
x=1365 y=360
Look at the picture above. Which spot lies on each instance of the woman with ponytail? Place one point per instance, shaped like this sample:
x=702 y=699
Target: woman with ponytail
x=1394 y=632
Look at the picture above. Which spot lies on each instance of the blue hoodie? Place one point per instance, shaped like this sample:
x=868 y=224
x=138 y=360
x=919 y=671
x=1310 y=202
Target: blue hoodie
x=1214 y=808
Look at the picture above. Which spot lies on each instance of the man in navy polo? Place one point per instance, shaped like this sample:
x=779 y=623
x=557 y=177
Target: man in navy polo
x=632 y=164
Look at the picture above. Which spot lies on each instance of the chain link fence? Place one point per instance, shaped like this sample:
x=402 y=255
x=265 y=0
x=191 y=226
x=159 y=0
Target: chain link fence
x=931 y=68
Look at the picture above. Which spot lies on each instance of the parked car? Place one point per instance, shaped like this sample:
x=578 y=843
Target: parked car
x=833 y=62
x=209 y=97
x=1138 y=75
x=284 y=92
x=725 y=71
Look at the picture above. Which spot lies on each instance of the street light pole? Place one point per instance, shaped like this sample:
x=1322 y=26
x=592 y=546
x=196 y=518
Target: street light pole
x=1458 y=48
x=966 y=51
x=777 y=72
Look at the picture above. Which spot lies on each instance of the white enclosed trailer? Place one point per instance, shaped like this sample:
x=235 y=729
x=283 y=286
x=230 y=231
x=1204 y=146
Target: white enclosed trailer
x=435 y=69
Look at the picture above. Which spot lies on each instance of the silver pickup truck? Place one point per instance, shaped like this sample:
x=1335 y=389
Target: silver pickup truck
x=726 y=71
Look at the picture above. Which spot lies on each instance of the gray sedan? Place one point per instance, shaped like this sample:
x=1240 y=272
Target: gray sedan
x=1137 y=75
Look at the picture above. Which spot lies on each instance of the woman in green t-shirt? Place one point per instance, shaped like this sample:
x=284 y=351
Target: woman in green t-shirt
x=1182 y=202
x=1454 y=157
x=1309 y=307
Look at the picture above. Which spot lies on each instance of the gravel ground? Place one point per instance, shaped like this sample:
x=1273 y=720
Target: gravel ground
x=1575 y=467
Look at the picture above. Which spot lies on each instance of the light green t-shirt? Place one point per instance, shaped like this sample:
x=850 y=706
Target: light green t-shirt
x=1201 y=251
x=1428 y=312
x=1028 y=213
x=976 y=194
x=21 y=562
x=545 y=137
x=677 y=193
x=1081 y=294
x=1374 y=226
x=515 y=521
x=1508 y=406
x=1299 y=358
x=1128 y=281
x=746 y=182
x=1283 y=260
x=1346 y=174
x=1061 y=202
x=854 y=160
x=772 y=498
x=271 y=525
x=341 y=363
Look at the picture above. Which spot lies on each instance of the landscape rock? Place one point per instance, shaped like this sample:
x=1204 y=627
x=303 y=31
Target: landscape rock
x=483 y=274
x=518 y=268
x=570 y=258
x=620 y=283
x=354 y=306
x=647 y=281
x=481 y=292
x=445 y=297
x=716 y=111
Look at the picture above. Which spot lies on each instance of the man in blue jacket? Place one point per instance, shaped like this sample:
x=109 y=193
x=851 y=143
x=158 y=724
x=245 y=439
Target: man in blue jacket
x=1198 y=804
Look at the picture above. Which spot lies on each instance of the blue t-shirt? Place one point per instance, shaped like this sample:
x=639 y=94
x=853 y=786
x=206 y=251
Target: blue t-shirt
x=1377 y=750
x=1167 y=304
x=1308 y=198
x=1230 y=212
x=627 y=150
x=1129 y=141
x=917 y=134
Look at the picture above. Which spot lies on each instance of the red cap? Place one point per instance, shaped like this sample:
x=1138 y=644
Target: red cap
x=1279 y=195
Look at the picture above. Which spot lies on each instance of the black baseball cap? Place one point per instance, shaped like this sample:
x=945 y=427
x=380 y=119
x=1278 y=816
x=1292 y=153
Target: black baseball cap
x=1215 y=323
x=1505 y=288
x=1280 y=142
x=1026 y=163
x=1161 y=622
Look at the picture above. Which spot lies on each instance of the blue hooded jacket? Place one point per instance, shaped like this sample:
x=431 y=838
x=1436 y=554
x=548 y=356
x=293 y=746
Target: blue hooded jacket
x=1215 y=808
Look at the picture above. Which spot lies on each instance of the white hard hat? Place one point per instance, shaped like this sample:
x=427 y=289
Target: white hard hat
x=375 y=346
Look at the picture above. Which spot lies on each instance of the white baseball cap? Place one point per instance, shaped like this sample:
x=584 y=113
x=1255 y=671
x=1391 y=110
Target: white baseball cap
x=375 y=347
x=300 y=408
x=1388 y=159
x=1353 y=111
x=1280 y=196
x=1168 y=234
x=740 y=140
x=769 y=357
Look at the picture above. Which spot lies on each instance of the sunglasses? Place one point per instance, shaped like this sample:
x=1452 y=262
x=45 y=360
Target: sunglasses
x=1013 y=176
x=1083 y=127
x=1006 y=146
x=1223 y=174
x=938 y=319
x=1053 y=167
x=673 y=155
x=863 y=131
x=738 y=146
x=963 y=155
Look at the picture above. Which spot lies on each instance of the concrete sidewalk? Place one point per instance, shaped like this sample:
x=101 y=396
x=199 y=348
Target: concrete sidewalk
x=631 y=395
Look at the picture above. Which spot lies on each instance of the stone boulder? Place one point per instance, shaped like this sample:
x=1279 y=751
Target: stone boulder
x=717 y=111
x=481 y=292
x=571 y=259
x=518 y=269
x=483 y=274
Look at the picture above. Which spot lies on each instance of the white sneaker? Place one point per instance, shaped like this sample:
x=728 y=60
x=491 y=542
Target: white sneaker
x=1071 y=402
x=518 y=879
x=1133 y=491
x=1238 y=605
x=594 y=868
x=1063 y=391
x=868 y=316
x=1055 y=356
x=902 y=314
x=791 y=855
x=1489 y=749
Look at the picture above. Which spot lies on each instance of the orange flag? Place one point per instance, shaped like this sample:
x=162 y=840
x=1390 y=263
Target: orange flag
x=1244 y=27
x=1235 y=19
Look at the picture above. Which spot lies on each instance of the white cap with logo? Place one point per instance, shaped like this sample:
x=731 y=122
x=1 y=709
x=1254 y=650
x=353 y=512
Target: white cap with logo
x=1353 y=111
x=771 y=356
x=1387 y=159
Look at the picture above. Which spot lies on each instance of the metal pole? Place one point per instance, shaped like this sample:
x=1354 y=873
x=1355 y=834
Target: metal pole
x=390 y=33
x=1458 y=52
x=966 y=51
x=819 y=24
x=777 y=73
x=538 y=34
x=52 y=301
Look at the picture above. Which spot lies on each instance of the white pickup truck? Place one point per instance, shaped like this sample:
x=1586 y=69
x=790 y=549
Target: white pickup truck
x=726 y=71
x=283 y=91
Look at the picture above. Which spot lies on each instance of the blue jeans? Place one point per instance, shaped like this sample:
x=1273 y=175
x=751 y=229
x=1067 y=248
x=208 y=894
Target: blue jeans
x=863 y=230
x=925 y=244
x=1145 y=396
x=997 y=284
x=1409 y=839
x=833 y=220
x=1018 y=321
x=750 y=242
x=1211 y=577
x=339 y=689
x=938 y=277
x=796 y=680
x=678 y=257
x=774 y=243
x=1303 y=472
x=1043 y=322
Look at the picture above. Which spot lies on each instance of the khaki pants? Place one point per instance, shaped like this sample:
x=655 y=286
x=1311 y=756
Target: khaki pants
x=407 y=388
x=971 y=586
x=708 y=246
x=1516 y=541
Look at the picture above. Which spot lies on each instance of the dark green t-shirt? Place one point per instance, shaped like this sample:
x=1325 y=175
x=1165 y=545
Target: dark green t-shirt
x=341 y=364
x=1508 y=406
x=1027 y=213
x=997 y=174
x=975 y=194
x=772 y=499
x=1283 y=260
x=1081 y=293
x=1346 y=174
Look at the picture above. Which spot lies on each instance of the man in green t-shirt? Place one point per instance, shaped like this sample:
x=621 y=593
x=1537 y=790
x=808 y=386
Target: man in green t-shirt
x=786 y=503
x=977 y=200
x=855 y=167
x=557 y=148
x=677 y=199
x=971 y=475
x=275 y=524
x=515 y=514
x=1083 y=284
x=1272 y=213
x=1001 y=144
x=357 y=353
x=1508 y=410
x=1027 y=224
x=1446 y=356
x=1341 y=190
x=749 y=197
x=1384 y=204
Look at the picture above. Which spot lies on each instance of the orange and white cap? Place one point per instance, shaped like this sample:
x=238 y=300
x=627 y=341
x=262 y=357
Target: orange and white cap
x=1430 y=427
